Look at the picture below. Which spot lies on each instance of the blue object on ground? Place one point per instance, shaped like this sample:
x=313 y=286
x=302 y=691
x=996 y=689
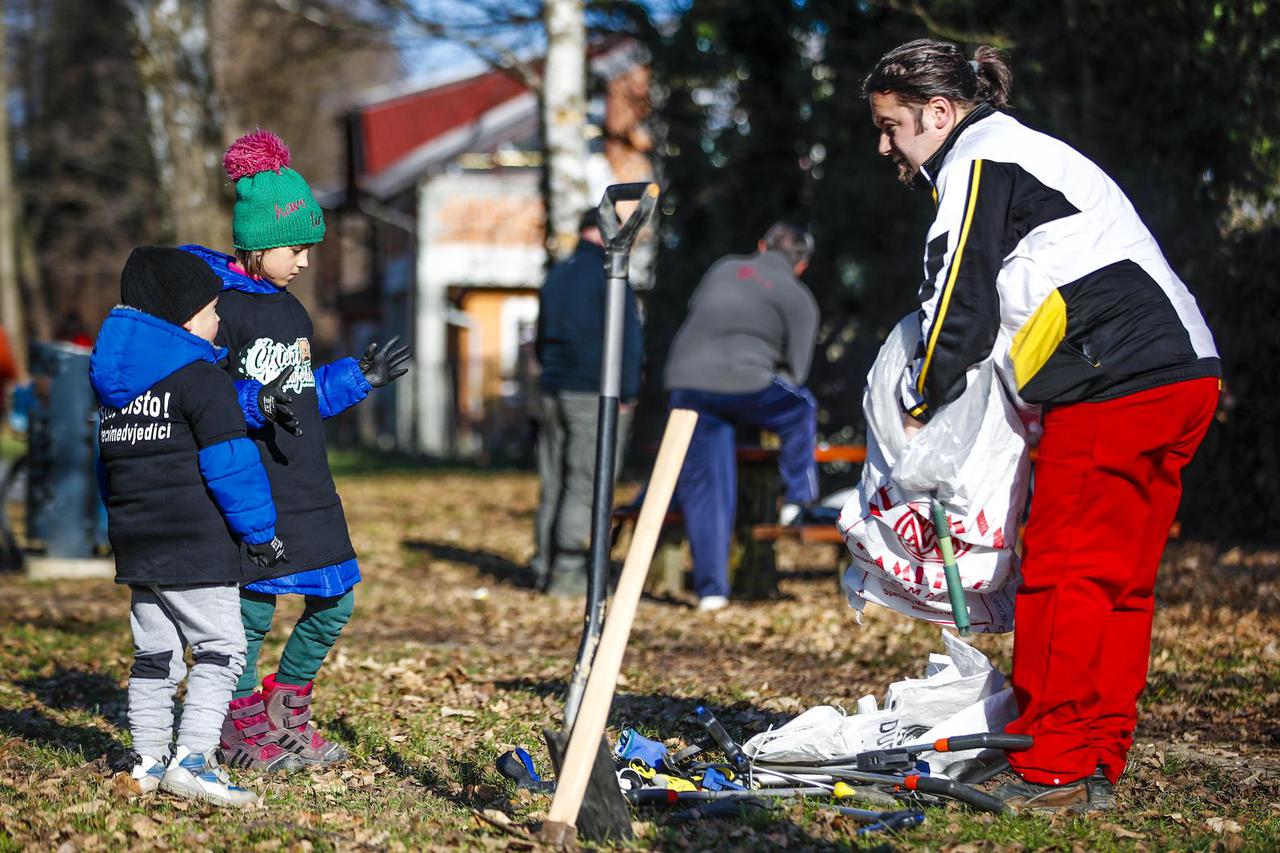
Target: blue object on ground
x=632 y=744
x=714 y=780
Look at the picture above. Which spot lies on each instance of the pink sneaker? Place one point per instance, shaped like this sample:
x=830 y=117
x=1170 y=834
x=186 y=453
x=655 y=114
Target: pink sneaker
x=249 y=741
x=289 y=711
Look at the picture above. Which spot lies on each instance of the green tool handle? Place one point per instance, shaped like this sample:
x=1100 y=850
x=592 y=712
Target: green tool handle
x=955 y=590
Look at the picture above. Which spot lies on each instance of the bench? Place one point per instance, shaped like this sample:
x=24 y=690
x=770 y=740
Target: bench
x=752 y=564
x=666 y=571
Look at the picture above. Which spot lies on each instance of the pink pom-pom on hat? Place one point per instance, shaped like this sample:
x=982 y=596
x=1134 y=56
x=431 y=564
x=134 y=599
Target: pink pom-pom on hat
x=253 y=153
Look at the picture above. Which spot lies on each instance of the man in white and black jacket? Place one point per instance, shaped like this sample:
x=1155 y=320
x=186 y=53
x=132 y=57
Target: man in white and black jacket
x=1037 y=259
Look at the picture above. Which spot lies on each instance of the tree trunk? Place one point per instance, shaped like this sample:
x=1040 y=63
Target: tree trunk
x=171 y=45
x=10 y=293
x=564 y=116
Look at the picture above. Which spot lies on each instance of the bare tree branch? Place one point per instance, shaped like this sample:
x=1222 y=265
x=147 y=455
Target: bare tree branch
x=941 y=30
x=469 y=34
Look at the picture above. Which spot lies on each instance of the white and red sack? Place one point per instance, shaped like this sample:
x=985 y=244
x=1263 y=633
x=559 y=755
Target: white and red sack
x=959 y=694
x=973 y=456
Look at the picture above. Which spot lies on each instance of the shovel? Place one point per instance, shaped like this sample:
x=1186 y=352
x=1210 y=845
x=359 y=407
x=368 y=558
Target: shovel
x=604 y=814
x=617 y=256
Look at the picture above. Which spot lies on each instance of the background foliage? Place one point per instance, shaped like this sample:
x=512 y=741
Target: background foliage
x=757 y=117
x=762 y=120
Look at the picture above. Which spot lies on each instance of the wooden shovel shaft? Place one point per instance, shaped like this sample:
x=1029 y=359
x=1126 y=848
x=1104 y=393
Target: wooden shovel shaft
x=596 y=700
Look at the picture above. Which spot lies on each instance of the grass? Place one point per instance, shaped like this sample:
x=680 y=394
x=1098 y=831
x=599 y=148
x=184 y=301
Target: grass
x=449 y=661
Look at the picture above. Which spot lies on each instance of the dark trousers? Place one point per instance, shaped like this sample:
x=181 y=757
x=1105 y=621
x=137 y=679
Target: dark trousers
x=707 y=491
x=566 y=475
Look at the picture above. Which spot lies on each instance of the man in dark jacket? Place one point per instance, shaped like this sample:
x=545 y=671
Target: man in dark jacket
x=184 y=488
x=741 y=357
x=570 y=345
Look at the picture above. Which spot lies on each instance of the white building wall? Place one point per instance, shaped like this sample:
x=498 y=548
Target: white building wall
x=445 y=261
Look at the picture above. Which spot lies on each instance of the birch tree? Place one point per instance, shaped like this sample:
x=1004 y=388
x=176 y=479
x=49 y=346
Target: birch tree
x=11 y=314
x=564 y=116
x=171 y=46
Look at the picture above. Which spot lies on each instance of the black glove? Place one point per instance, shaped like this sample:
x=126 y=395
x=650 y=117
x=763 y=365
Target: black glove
x=276 y=404
x=266 y=554
x=380 y=365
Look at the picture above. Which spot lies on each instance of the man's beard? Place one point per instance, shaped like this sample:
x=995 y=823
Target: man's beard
x=906 y=174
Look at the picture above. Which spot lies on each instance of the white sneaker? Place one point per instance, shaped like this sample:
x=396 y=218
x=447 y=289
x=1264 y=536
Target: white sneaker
x=147 y=773
x=788 y=514
x=200 y=777
x=712 y=602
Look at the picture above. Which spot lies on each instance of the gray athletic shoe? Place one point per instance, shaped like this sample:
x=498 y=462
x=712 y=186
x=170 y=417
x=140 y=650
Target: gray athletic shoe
x=199 y=777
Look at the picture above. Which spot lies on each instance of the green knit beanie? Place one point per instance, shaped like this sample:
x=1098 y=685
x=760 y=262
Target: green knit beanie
x=274 y=206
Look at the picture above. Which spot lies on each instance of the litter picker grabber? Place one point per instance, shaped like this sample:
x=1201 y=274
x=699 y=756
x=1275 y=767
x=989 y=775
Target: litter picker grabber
x=955 y=589
x=901 y=758
x=882 y=821
x=935 y=785
x=664 y=797
x=579 y=774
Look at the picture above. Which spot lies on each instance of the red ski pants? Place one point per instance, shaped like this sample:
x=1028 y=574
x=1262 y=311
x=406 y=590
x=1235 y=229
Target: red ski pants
x=1108 y=478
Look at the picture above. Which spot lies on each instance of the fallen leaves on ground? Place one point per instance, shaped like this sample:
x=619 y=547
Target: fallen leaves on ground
x=450 y=660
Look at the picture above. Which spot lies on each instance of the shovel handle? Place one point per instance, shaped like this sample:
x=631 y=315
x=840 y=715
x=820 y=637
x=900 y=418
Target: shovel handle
x=618 y=237
x=955 y=589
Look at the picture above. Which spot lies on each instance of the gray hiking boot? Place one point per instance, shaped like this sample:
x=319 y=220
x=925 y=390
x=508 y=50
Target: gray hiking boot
x=289 y=712
x=568 y=584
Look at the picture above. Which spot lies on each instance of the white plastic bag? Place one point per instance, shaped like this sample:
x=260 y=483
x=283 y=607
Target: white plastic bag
x=961 y=693
x=973 y=456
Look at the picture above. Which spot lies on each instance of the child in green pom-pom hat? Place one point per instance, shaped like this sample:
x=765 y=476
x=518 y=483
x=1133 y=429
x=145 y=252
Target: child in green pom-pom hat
x=275 y=223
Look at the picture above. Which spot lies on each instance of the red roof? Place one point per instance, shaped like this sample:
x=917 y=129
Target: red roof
x=391 y=129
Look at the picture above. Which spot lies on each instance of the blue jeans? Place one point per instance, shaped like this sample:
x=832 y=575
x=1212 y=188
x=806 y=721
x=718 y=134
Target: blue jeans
x=707 y=490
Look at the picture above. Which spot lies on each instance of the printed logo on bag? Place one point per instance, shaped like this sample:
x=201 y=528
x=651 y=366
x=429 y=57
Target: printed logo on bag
x=920 y=538
x=146 y=418
x=264 y=359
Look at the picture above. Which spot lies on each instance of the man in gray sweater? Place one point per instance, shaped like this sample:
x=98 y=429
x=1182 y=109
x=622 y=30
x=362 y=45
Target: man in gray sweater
x=741 y=357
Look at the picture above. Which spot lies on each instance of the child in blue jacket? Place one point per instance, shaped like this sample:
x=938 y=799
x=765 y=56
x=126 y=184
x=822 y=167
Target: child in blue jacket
x=172 y=437
x=276 y=221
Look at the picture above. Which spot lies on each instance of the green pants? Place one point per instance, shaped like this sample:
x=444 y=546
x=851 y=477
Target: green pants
x=317 y=630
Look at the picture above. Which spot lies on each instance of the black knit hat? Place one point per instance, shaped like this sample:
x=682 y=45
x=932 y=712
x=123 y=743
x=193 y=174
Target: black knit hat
x=167 y=283
x=590 y=219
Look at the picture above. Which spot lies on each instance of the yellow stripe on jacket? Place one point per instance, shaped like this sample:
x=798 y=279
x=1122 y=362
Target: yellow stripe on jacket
x=974 y=178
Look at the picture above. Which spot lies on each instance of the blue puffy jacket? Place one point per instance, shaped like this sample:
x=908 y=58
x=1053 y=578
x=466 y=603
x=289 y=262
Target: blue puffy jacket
x=182 y=482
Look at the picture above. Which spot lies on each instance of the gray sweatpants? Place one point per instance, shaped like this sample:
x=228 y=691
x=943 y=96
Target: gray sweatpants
x=566 y=474
x=165 y=621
